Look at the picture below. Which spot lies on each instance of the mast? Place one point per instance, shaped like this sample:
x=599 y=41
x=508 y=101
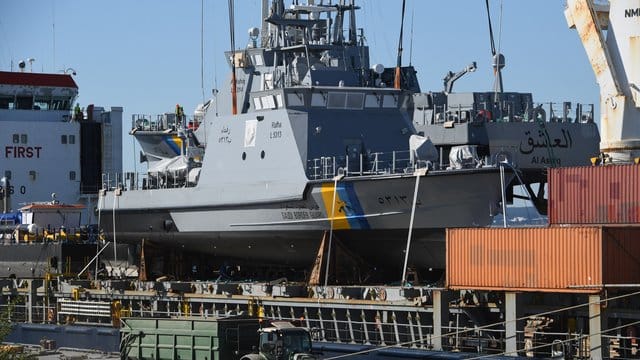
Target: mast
x=265 y=25
x=353 y=37
x=396 y=82
x=234 y=90
x=338 y=26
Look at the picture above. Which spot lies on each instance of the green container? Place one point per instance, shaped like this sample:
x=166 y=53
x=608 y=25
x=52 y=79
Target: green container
x=189 y=338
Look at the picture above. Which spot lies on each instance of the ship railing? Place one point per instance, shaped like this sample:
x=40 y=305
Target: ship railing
x=150 y=180
x=163 y=122
x=397 y=329
x=375 y=163
x=565 y=112
x=18 y=310
x=623 y=347
x=362 y=329
x=557 y=345
x=21 y=234
x=15 y=310
x=561 y=112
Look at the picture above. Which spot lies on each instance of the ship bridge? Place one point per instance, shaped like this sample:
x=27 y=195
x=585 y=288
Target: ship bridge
x=36 y=91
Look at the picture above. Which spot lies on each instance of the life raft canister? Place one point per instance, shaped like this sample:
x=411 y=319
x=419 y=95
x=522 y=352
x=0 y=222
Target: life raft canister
x=484 y=115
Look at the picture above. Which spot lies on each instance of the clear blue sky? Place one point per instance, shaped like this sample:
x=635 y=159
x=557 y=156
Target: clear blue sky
x=144 y=55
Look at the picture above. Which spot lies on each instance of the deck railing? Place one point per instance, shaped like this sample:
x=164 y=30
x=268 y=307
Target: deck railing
x=162 y=122
x=146 y=181
x=545 y=112
x=376 y=163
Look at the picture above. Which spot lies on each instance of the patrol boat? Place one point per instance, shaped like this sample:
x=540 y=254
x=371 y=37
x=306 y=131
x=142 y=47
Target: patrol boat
x=319 y=141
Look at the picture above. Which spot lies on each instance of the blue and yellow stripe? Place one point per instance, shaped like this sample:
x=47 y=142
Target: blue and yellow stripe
x=174 y=142
x=348 y=213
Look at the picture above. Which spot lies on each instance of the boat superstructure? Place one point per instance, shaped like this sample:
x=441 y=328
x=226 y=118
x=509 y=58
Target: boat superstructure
x=48 y=148
x=52 y=156
x=510 y=126
x=319 y=141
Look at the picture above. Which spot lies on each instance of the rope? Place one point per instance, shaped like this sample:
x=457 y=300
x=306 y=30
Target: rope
x=558 y=342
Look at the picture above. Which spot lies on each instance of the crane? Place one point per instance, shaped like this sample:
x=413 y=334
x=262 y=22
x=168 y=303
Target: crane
x=615 y=60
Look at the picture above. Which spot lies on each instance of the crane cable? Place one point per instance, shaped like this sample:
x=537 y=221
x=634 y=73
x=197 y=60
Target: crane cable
x=493 y=46
x=488 y=326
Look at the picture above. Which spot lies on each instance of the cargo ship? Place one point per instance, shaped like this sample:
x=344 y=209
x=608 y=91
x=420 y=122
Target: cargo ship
x=53 y=156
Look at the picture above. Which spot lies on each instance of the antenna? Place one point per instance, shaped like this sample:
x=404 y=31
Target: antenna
x=53 y=30
x=202 y=48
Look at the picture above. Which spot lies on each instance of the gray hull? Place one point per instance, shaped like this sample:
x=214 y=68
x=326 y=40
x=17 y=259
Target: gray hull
x=372 y=216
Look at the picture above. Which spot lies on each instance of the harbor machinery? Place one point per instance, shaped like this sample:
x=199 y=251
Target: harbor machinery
x=610 y=33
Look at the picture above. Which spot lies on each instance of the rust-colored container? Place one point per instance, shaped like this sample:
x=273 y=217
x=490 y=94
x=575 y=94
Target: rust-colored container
x=553 y=259
x=594 y=195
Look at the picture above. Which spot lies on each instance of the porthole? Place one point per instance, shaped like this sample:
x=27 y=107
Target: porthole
x=262 y=155
x=244 y=156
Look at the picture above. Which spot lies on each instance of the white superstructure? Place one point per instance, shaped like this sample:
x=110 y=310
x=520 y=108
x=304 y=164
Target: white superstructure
x=47 y=146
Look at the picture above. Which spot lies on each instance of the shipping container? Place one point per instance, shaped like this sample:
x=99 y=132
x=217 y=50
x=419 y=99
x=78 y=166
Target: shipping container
x=188 y=338
x=549 y=259
x=594 y=195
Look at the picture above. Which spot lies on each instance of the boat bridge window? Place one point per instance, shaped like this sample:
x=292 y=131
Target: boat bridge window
x=240 y=59
x=318 y=100
x=37 y=103
x=267 y=102
x=267 y=81
x=23 y=138
x=72 y=139
x=295 y=99
x=72 y=175
x=24 y=102
x=61 y=104
x=46 y=103
x=257 y=59
x=16 y=138
x=371 y=101
x=343 y=100
x=63 y=139
x=389 y=101
x=41 y=103
x=355 y=101
x=7 y=102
